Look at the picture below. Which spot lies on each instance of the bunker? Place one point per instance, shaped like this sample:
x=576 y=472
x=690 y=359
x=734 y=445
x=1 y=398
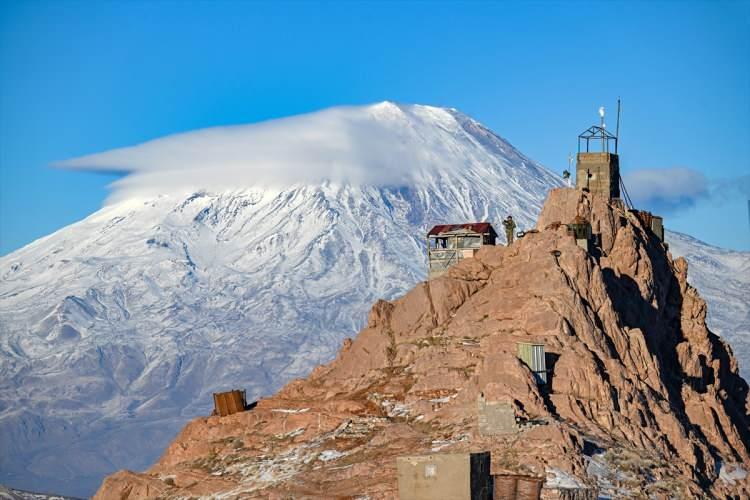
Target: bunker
x=449 y=243
x=454 y=476
x=599 y=173
x=581 y=230
x=650 y=221
x=657 y=226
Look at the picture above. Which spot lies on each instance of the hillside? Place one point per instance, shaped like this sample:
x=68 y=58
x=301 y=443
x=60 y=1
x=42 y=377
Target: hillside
x=115 y=331
x=641 y=396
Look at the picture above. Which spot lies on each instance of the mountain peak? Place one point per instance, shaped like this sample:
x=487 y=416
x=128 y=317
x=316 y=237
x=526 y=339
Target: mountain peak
x=379 y=144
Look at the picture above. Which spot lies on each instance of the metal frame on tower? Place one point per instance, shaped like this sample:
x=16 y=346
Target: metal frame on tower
x=597 y=133
x=600 y=133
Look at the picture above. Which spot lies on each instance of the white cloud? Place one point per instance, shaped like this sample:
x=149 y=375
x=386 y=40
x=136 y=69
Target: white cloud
x=666 y=188
x=380 y=144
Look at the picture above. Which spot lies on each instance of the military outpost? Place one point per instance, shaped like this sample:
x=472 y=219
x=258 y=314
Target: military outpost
x=598 y=172
x=448 y=244
x=467 y=476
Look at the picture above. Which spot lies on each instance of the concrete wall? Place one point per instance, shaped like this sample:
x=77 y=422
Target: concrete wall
x=605 y=173
x=450 y=476
x=496 y=417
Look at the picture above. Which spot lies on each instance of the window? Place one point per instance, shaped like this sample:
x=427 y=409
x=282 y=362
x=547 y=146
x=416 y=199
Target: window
x=430 y=470
x=469 y=242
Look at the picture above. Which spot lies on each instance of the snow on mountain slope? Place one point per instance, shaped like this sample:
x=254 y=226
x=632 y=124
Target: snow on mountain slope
x=116 y=330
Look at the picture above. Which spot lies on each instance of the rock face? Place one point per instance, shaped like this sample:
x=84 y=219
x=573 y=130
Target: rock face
x=641 y=396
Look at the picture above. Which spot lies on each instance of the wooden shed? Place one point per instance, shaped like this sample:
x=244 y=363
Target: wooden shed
x=227 y=403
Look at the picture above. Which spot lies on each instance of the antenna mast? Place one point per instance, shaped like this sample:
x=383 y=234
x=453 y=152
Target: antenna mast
x=617 y=131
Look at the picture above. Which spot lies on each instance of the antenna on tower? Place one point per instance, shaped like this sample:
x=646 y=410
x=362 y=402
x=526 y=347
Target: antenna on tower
x=566 y=173
x=617 y=131
x=601 y=115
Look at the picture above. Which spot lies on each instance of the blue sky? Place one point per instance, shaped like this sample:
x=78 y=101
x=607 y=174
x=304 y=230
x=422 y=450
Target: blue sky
x=84 y=77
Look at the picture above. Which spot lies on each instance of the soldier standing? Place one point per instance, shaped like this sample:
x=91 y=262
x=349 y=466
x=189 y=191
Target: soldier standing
x=509 y=227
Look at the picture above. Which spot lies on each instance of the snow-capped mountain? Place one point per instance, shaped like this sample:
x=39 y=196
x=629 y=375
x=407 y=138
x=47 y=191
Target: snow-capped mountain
x=115 y=330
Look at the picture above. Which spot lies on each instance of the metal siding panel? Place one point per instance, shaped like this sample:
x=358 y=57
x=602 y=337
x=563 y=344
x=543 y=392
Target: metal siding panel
x=533 y=356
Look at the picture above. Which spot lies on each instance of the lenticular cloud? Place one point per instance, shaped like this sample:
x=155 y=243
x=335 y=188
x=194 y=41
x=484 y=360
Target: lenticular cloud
x=380 y=144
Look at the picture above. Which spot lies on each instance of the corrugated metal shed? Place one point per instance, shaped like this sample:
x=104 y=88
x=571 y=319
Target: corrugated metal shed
x=533 y=356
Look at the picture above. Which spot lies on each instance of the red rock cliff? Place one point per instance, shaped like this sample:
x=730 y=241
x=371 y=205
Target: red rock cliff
x=635 y=376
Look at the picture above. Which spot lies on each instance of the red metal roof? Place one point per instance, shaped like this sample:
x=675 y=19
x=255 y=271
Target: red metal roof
x=475 y=227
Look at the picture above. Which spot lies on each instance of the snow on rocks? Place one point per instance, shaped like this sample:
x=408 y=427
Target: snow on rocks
x=328 y=455
x=732 y=472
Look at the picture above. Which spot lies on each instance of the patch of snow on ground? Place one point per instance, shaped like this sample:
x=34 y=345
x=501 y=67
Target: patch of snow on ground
x=328 y=455
x=557 y=478
x=606 y=476
x=729 y=473
x=438 y=445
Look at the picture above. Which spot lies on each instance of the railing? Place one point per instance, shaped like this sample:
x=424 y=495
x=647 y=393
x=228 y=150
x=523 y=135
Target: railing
x=443 y=259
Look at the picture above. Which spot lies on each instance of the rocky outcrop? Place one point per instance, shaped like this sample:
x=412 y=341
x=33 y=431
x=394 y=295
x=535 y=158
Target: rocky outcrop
x=636 y=381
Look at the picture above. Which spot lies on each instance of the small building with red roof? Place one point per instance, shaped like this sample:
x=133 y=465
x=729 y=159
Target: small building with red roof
x=450 y=243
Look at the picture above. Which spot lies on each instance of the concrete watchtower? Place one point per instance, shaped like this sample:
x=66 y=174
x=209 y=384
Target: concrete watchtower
x=598 y=167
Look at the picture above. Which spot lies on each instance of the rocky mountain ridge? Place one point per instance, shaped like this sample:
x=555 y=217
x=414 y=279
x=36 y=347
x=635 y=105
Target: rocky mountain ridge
x=641 y=396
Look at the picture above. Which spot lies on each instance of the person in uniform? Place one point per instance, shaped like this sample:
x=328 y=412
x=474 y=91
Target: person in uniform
x=510 y=226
